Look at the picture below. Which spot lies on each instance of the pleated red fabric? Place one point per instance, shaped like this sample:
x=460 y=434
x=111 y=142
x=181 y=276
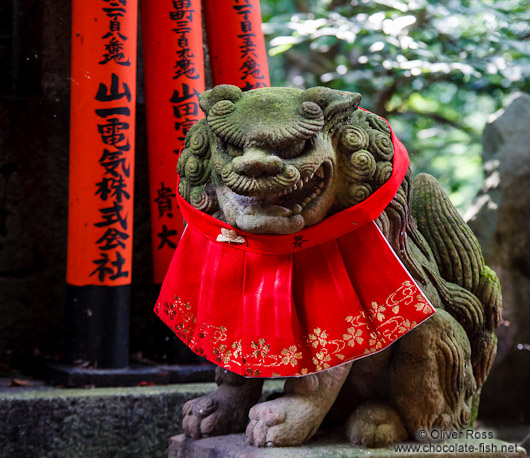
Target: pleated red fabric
x=291 y=305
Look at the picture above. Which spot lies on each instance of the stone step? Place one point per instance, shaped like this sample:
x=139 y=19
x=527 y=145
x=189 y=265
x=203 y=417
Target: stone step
x=334 y=445
x=95 y=423
x=40 y=422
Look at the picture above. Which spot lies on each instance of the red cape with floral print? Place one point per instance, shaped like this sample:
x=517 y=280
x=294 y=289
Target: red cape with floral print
x=291 y=305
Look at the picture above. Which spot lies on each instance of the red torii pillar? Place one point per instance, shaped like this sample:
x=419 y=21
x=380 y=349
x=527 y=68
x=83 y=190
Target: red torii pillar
x=236 y=44
x=101 y=189
x=173 y=77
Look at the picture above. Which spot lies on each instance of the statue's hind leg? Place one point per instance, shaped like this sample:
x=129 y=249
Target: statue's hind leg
x=374 y=421
x=431 y=377
x=375 y=424
x=431 y=386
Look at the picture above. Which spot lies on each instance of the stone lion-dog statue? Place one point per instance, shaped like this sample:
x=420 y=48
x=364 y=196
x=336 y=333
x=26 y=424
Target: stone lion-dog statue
x=263 y=167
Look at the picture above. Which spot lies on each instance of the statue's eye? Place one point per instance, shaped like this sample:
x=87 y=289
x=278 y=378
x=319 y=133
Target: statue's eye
x=233 y=150
x=292 y=150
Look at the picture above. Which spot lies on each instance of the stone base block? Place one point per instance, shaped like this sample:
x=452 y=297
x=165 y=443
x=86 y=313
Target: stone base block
x=333 y=445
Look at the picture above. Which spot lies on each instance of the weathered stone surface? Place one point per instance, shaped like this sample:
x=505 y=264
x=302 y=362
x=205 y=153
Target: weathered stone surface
x=40 y=422
x=101 y=422
x=500 y=217
x=235 y=446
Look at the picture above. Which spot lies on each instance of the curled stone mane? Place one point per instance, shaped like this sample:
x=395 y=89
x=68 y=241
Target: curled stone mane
x=194 y=168
x=365 y=144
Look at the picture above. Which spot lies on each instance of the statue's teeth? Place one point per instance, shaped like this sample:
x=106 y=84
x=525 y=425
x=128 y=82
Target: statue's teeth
x=299 y=185
x=297 y=209
x=320 y=172
x=306 y=179
x=311 y=176
x=320 y=185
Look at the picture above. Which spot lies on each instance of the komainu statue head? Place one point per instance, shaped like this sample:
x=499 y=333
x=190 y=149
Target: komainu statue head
x=276 y=160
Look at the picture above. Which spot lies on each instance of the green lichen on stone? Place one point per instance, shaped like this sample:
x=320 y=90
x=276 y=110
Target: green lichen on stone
x=474 y=410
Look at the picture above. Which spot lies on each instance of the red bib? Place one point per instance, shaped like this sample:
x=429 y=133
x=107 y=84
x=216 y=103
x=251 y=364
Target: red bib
x=290 y=305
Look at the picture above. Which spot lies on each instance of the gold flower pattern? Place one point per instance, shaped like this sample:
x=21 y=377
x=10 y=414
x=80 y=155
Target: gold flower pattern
x=374 y=344
x=363 y=333
x=318 y=338
x=291 y=356
x=260 y=348
x=422 y=305
x=353 y=336
x=378 y=311
x=321 y=360
x=355 y=333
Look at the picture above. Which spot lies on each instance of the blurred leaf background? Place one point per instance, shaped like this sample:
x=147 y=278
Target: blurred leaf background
x=435 y=69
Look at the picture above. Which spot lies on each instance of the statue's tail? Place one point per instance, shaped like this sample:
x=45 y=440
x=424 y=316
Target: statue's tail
x=469 y=289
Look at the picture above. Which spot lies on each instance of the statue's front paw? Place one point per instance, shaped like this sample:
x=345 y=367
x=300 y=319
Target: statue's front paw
x=201 y=417
x=262 y=430
x=286 y=421
x=224 y=411
x=375 y=424
x=211 y=415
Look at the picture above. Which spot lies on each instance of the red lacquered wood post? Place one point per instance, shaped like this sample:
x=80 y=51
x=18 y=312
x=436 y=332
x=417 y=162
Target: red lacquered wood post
x=236 y=43
x=101 y=189
x=173 y=77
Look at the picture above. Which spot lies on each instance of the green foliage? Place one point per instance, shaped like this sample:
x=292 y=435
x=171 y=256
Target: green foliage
x=434 y=69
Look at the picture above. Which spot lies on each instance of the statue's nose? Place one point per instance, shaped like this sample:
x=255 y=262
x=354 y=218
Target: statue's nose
x=255 y=162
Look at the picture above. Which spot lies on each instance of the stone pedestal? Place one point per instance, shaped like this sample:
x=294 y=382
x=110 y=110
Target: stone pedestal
x=335 y=445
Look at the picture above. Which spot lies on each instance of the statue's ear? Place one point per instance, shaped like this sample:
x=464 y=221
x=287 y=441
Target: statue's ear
x=332 y=102
x=222 y=92
x=204 y=102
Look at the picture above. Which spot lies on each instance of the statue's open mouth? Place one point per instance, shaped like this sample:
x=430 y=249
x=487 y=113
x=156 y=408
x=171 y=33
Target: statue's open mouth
x=287 y=211
x=305 y=193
